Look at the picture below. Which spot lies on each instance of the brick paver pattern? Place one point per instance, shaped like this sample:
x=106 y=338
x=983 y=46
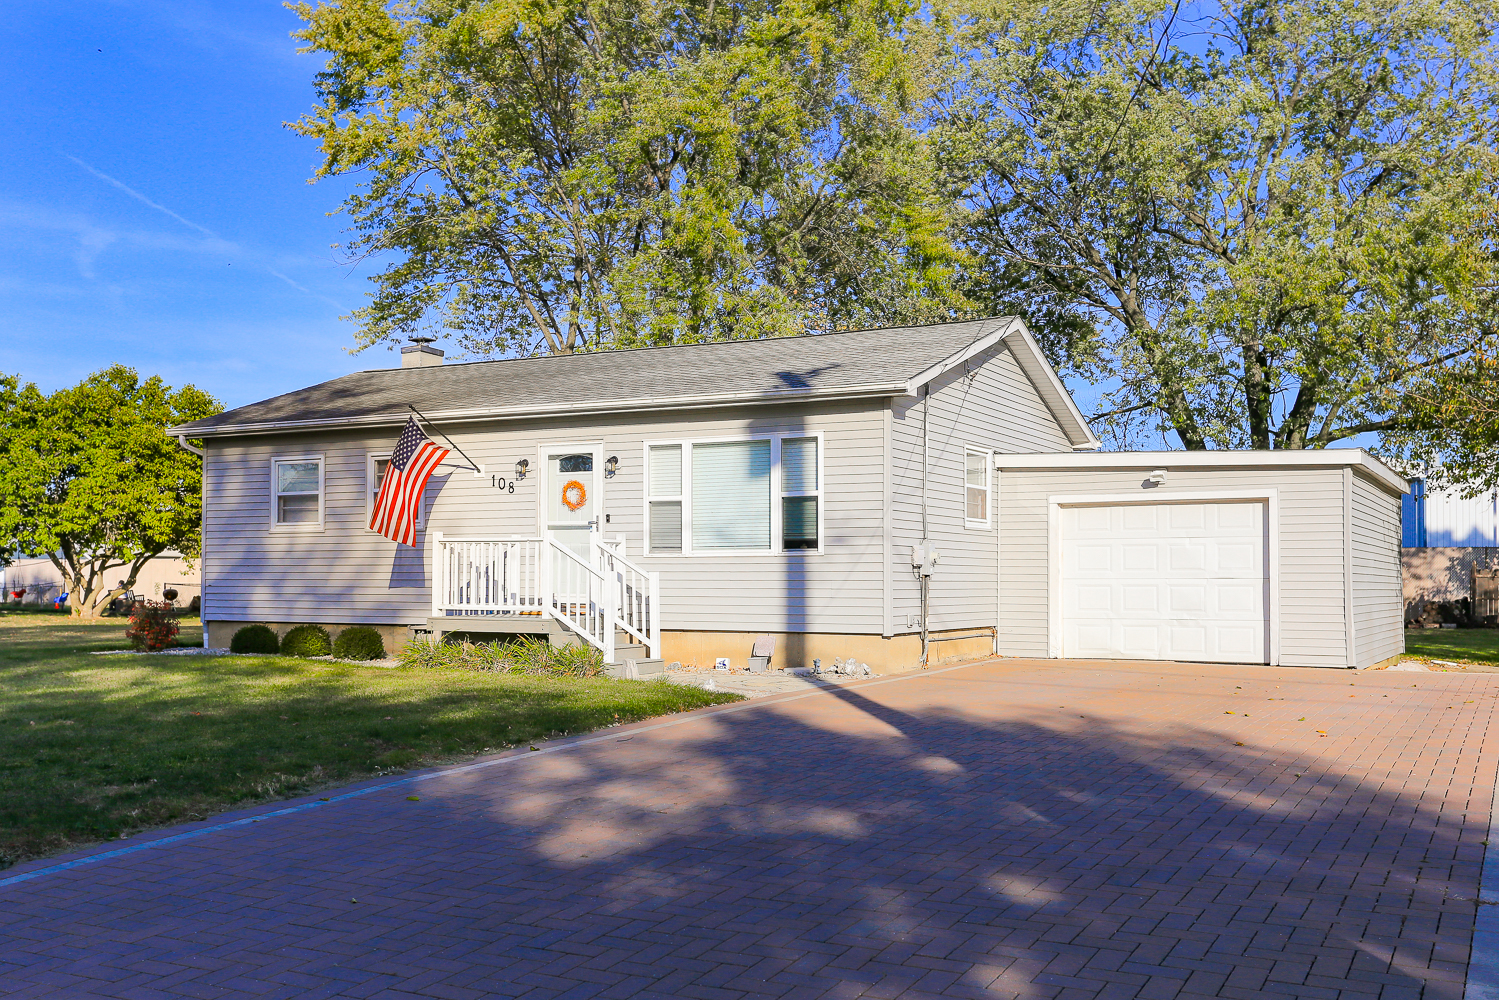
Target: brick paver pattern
x=1007 y=829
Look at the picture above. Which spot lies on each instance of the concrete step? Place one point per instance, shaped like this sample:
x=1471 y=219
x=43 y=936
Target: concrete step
x=636 y=669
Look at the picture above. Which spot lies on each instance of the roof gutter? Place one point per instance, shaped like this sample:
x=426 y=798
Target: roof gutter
x=878 y=390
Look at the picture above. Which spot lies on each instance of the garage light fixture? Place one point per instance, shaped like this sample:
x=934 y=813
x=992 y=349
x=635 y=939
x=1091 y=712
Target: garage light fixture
x=1157 y=478
x=520 y=468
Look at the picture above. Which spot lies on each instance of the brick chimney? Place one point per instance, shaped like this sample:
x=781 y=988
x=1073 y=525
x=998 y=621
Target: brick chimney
x=421 y=354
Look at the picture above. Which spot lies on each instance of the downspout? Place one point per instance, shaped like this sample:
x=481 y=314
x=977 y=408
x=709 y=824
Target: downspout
x=182 y=440
x=926 y=461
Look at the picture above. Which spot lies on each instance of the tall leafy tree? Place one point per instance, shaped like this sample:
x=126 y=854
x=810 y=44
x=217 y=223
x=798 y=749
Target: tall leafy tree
x=557 y=175
x=90 y=478
x=1270 y=226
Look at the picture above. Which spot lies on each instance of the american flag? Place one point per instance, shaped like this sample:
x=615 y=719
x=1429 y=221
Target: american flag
x=411 y=465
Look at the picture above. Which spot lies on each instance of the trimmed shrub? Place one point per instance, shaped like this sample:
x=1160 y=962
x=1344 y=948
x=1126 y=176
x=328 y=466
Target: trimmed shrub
x=359 y=643
x=255 y=639
x=525 y=655
x=307 y=641
x=153 y=625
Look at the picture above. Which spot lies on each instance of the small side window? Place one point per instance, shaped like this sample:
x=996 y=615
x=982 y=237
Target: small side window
x=664 y=533
x=976 y=487
x=801 y=494
x=297 y=492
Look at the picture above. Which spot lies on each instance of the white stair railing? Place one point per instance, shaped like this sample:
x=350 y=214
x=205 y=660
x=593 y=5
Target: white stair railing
x=580 y=596
x=594 y=598
x=637 y=596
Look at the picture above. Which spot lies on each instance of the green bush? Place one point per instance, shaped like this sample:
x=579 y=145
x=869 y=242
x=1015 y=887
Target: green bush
x=359 y=643
x=255 y=639
x=153 y=626
x=307 y=641
x=525 y=655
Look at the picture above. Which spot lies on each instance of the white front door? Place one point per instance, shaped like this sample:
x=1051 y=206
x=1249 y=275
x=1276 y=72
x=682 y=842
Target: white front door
x=1166 y=581
x=570 y=496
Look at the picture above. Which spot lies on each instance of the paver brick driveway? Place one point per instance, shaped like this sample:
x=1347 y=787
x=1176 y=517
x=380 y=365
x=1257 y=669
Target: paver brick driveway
x=1009 y=829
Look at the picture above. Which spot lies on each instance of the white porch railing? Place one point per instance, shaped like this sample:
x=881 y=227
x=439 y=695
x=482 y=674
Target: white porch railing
x=594 y=598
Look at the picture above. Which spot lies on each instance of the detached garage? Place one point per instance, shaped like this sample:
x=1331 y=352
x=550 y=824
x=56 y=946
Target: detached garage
x=1288 y=558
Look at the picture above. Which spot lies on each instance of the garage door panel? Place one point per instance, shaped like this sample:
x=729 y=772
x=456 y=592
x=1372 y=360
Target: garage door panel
x=1187 y=558
x=1092 y=521
x=1095 y=599
x=1140 y=597
x=1165 y=581
x=1240 y=558
x=1183 y=517
x=1141 y=642
x=1186 y=600
x=1189 y=642
x=1095 y=558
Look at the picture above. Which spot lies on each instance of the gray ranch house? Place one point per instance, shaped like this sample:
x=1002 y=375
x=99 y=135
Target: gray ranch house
x=856 y=494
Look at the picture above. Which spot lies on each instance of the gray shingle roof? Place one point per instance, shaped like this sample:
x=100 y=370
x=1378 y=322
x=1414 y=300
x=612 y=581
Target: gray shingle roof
x=733 y=370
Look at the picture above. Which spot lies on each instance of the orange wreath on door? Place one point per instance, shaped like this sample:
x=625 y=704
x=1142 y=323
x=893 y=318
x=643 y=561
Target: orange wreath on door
x=574 y=495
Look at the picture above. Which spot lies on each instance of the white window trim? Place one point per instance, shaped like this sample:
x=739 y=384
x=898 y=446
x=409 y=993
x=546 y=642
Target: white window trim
x=322 y=493
x=781 y=495
x=988 y=519
x=777 y=541
x=1270 y=497
x=684 y=498
x=370 y=483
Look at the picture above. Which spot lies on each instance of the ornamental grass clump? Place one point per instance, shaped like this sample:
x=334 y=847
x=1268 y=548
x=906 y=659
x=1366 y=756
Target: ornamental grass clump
x=520 y=656
x=307 y=641
x=359 y=643
x=255 y=639
x=153 y=625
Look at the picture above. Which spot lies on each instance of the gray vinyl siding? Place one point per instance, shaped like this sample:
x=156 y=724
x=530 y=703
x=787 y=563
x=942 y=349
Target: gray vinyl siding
x=1313 y=612
x=997 y=408
x=345 y=573
x=1378 y=607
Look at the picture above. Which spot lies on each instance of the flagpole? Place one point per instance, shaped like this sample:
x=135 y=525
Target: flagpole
x=477 y=469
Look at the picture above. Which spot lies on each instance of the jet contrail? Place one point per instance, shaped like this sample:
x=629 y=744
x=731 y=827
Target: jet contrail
x=132 y=192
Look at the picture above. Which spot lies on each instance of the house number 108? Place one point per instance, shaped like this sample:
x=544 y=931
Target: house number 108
x=499 y=483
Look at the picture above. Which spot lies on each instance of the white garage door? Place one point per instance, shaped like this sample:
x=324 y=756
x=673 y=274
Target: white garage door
x=1169 y=581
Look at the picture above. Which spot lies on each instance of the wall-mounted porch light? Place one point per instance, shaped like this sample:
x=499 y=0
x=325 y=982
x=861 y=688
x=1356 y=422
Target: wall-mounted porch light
x=611 y=466
x=520 y=468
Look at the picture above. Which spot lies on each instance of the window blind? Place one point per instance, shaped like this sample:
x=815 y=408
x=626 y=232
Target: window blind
x=799 y=465
x=666 y=470
x=731 y=495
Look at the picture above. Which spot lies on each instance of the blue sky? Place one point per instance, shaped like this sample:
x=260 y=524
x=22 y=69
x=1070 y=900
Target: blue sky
x=153 y=209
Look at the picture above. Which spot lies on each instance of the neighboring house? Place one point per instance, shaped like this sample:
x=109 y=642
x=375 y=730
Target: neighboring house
x=1451 y=550
x=679 y=502
x=42 y=581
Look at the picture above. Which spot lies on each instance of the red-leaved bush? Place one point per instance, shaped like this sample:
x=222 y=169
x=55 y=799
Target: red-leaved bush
x=153 y=625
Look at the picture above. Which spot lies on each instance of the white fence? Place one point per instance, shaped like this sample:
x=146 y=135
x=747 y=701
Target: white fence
x=594 y=598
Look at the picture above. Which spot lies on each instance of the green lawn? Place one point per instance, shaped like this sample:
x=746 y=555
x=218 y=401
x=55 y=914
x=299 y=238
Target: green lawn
x=1475 y=645
x=98 y=747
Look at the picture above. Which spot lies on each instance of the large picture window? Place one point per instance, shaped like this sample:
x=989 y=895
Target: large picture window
x=757 y=495
x=297 y=492
x=731 y=495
